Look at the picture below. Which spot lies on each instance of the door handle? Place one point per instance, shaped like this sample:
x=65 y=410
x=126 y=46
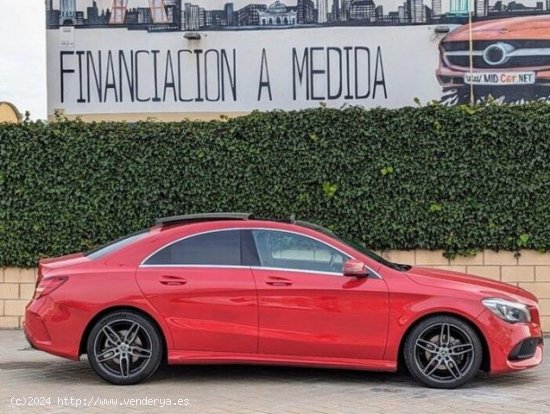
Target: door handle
x=278 y=281
x=170 y=280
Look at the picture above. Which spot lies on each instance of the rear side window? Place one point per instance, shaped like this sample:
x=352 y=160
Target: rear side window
x=222 y=248
x=115 y=245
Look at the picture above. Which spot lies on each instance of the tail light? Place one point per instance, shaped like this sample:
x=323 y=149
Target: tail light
x=48 y=285
x=535 y=317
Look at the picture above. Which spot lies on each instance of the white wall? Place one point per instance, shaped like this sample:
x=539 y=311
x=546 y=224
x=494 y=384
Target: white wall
x=408 y=56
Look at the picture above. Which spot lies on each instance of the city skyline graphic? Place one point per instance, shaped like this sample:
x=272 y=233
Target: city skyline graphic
x=184 y=15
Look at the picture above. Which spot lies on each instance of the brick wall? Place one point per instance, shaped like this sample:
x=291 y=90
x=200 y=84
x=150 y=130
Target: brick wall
x=528 y=269
x=16 y=288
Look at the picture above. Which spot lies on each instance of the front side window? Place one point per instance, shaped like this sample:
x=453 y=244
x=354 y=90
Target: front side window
x=292 y=251
x=222 y=248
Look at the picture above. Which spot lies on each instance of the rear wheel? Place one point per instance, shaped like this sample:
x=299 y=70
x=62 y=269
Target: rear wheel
x=124 y=348
x=443 y=352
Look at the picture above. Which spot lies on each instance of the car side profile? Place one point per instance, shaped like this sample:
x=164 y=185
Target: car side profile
x=232 y=288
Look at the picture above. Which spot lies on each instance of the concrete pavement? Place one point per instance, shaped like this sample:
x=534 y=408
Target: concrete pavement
x=35 y=382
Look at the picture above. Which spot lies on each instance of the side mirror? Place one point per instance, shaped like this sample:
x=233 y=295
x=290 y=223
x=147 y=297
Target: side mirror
x=355 y=268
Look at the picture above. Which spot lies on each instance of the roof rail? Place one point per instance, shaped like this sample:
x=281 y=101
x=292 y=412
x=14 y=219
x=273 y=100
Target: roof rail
x=289 y=220
x=315 y=227
x=203 y=217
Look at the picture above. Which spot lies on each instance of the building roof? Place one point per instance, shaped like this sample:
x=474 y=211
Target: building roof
x=277 y=7
x=7 y=109
x=363 y=3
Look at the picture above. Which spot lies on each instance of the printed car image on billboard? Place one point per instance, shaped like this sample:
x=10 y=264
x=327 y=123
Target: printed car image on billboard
x=505 y=58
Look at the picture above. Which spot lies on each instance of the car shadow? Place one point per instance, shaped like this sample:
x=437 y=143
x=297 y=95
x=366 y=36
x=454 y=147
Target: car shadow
x=304 y=375
x=62 y=371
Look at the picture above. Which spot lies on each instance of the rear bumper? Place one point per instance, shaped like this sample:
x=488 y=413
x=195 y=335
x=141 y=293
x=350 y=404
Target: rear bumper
x=28 y=338
x=48 y=327
x=505 y=341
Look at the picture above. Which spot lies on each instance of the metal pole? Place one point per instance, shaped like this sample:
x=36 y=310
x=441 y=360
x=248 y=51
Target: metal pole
x=470 y=13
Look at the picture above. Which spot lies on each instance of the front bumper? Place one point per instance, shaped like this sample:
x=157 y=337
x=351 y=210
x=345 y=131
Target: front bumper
x=505 y=342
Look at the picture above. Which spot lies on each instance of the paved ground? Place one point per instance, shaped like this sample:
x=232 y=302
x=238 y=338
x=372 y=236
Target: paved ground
x=55 y=385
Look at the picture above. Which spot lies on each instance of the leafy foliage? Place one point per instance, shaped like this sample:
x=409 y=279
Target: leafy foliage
x=459 y=178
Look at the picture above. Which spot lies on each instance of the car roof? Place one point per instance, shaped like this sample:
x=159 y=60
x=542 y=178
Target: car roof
x=209 y=217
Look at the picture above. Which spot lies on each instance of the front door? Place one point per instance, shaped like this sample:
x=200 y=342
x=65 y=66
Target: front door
x=308 y=308
x=206 y=296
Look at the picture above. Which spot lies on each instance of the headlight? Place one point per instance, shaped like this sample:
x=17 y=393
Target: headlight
x=509 y=311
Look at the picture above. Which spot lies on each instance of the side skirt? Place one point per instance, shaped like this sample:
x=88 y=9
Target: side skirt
x=214 y=358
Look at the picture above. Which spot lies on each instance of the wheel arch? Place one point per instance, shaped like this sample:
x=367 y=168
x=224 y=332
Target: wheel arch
x=106 y=311
x=486 y=360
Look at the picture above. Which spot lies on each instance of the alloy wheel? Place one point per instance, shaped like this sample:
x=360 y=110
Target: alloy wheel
x=125 y=347
x=444 y=352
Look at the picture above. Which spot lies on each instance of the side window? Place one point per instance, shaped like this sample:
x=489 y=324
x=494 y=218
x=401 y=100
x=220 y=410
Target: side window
x=216 y=248
x=115 y=245
x=292 y=251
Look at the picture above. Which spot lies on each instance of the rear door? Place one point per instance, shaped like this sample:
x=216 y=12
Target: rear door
x=205 y=294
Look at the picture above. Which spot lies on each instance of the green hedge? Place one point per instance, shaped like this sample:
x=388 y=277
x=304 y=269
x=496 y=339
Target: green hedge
x=460 y=178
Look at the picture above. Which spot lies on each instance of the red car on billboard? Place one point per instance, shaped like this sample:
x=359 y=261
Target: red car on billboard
x=511 y=52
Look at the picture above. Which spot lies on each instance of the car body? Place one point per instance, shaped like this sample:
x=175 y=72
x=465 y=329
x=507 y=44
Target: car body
x=229 y=288
x=506 y=52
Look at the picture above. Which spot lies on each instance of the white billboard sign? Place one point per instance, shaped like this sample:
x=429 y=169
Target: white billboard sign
x=171 y=56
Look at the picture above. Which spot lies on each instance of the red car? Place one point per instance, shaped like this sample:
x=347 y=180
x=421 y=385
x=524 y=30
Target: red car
x=510 y=52
x=229 y=288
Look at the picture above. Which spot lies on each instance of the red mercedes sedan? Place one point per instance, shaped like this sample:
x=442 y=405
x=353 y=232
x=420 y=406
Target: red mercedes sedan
x=231 y=288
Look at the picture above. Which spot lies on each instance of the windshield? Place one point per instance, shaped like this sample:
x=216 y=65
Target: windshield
x=357 y=246
x=374 y=256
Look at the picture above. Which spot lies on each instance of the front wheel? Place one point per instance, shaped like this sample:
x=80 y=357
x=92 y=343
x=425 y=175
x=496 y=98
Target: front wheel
x=443 y=352
x=124 y=348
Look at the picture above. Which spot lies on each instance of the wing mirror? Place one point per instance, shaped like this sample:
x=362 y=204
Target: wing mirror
x=355 y=268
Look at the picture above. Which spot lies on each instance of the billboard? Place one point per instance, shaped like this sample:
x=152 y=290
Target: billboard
x=215 y=56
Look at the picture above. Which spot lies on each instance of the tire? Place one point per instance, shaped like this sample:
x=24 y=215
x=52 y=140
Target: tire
x=443 y=352
x=124 y=348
